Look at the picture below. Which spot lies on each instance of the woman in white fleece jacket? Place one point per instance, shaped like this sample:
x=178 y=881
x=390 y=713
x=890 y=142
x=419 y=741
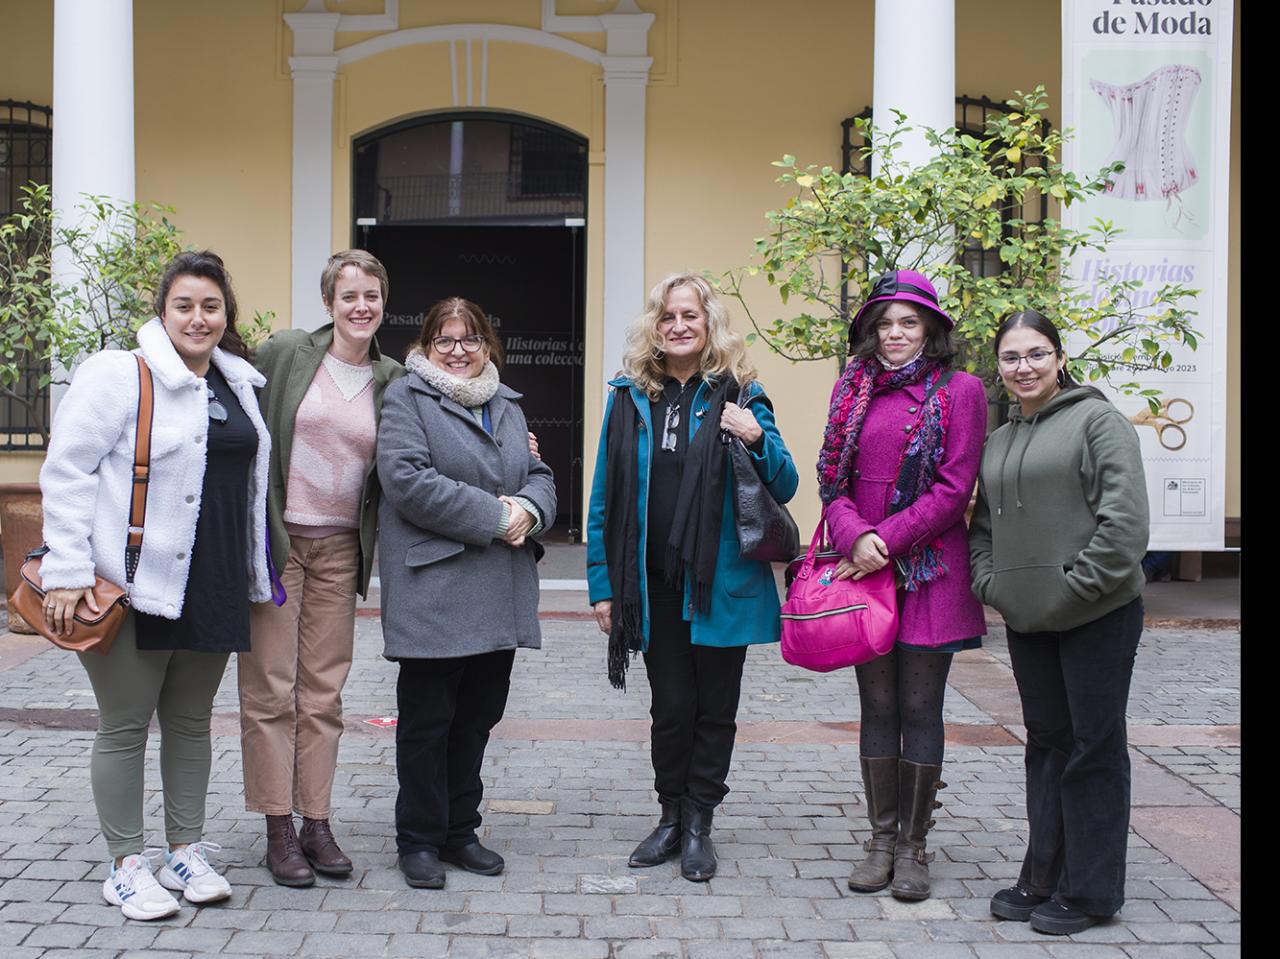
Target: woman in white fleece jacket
x=203 y=559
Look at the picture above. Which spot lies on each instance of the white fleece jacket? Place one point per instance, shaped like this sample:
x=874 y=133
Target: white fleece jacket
x=88 y=474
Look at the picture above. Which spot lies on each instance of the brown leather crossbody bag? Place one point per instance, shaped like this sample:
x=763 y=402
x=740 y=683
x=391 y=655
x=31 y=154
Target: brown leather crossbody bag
x=97 y=631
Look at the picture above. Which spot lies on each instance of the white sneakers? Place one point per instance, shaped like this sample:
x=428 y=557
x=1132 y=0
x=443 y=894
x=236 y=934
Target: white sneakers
x=134 y=889
x=187 y=870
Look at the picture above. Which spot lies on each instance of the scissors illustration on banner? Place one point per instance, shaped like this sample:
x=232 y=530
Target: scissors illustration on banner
x=1168 y=422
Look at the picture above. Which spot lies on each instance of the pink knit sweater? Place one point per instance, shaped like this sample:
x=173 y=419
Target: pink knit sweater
x=333 y=446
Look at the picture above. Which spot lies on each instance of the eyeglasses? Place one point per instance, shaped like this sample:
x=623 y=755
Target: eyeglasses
x=217 y=412
x=671 y=421
x=1035 y=359
x=445 y=344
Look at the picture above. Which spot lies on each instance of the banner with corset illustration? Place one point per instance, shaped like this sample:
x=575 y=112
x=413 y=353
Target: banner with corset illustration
x=1149 y=84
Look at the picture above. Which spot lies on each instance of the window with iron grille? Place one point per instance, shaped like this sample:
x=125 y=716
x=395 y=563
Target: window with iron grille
x=546 y=163
x=26 y=148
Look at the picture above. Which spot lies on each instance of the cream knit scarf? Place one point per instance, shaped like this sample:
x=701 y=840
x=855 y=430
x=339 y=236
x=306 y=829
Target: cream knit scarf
x=471 y=392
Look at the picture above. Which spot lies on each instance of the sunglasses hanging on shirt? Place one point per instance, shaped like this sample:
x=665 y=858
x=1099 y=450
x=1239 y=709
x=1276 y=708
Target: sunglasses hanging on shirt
x=217 y=412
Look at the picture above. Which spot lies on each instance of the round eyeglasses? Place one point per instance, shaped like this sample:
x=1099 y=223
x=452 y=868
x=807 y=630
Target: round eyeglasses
x=1036 y=359
x=445 y=344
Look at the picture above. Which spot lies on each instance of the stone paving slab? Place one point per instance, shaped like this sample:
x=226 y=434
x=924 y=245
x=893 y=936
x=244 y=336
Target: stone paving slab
x=566 y=813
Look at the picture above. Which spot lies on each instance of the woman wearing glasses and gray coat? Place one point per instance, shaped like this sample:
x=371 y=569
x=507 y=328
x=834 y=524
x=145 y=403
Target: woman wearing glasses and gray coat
x=463 y=496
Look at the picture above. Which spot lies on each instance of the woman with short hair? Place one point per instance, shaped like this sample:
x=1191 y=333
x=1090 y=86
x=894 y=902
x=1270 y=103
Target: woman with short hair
x=663 y=565
x=322 y=402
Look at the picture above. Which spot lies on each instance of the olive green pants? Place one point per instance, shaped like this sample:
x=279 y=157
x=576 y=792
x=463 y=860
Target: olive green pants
x=131 y=686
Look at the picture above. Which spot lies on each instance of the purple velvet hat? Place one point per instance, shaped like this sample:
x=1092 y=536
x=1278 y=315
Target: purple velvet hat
x=905 y=285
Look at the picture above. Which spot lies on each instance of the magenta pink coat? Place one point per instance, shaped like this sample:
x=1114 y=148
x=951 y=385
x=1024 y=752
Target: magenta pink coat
x=944 y=609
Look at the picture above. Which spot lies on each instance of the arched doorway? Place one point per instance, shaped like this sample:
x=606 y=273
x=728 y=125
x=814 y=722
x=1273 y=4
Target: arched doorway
x=491 y=207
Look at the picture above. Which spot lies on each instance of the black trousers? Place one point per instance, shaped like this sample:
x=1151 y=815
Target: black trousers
x=447 y=708
x=695 y=703
x=1074 y=687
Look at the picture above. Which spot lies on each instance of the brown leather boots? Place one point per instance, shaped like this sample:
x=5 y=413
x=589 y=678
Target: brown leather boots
x=901 y=797
x=289 y=867
x=880 y=783
x=292 y=857
x=918 y=786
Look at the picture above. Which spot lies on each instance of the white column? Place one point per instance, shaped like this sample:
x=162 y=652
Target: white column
x=914 y=69
x=625 y=80
x=92 y=114
x=626 y=76
x=313 y=68
x=92 y=101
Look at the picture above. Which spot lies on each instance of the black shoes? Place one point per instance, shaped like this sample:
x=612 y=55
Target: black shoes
x=661 y=844
x=1015 y=903
x=474 y=857
x=1056 y=918
x=422 y=870
x=697 y=854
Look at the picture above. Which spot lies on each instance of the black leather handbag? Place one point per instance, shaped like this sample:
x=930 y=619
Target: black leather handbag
x=766 y=531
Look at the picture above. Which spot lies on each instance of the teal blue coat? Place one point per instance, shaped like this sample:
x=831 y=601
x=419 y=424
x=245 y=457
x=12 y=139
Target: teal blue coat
x=744 y=600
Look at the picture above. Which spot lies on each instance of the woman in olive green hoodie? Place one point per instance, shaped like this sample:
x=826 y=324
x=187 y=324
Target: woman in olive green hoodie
x=1056 y=545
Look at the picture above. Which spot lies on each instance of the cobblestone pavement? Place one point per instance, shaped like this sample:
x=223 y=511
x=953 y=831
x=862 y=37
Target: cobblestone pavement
x=569 y=793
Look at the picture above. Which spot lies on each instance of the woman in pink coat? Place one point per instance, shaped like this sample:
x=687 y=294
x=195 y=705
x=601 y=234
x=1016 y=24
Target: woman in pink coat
x=898 y=464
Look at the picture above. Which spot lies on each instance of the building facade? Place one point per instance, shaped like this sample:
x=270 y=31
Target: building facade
x=550 y=159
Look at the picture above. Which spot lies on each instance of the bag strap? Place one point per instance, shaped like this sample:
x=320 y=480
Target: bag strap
x=141 y=470
x=939 y=384
x=819 y=538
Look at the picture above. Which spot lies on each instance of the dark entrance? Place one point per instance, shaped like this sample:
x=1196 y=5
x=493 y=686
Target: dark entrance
x=489 y=208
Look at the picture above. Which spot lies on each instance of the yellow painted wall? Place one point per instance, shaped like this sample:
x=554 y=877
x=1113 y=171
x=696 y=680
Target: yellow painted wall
x=26 y=50
x=734 y=85
x=212 y=120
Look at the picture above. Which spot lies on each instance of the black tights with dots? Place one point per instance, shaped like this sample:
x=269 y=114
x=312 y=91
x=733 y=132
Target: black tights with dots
x=901 y=694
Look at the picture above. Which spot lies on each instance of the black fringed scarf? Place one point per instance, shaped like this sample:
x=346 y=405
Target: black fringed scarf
x=695 y=528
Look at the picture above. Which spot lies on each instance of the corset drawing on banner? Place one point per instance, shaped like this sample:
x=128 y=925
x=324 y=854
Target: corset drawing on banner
x=1149 y=118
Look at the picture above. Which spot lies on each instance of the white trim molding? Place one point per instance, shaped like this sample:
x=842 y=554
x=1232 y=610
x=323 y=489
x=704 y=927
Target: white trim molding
x=444 y=33
x=314 y=67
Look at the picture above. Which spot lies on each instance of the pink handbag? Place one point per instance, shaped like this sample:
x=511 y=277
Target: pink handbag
x=829 y=623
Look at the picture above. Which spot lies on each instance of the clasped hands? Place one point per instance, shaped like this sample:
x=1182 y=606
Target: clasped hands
x=869 y=555
x=521 y=520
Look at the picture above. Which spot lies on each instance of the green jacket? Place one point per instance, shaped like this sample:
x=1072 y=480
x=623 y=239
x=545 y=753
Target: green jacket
x=289 y=359
x=1061 y=522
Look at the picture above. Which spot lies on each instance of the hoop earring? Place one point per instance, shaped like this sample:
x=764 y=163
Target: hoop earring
x=1062 y=376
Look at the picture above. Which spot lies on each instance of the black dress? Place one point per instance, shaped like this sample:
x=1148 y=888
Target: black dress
x=215 y=613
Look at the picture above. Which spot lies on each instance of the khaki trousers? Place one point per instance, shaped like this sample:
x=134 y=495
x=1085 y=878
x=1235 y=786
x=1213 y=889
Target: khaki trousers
x=291 y=683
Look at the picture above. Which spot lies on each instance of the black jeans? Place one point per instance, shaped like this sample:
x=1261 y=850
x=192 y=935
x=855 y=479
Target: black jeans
x=446 y=709
x=695 y=702
x=1074 y=687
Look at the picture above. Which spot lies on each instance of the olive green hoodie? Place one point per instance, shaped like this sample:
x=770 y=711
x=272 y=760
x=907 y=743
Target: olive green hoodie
x=1061 y=523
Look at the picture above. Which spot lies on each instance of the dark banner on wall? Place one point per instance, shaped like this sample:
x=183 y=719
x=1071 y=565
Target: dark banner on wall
x=529 y=280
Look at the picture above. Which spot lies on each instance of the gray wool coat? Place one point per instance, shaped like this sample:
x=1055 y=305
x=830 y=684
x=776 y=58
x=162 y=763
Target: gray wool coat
x=449 y=588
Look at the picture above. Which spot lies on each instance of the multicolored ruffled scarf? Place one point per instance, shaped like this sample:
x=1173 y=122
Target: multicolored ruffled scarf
x=862 y=380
